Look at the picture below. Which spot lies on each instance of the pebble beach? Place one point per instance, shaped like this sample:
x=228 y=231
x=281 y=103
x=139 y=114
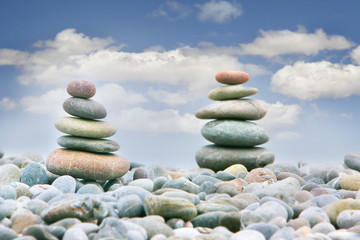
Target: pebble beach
x=86 y=191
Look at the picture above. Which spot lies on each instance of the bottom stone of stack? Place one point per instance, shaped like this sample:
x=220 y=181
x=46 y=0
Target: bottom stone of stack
x=218 y=158
x=87 y=165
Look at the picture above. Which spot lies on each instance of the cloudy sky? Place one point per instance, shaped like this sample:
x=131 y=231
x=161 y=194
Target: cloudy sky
x=154 y=62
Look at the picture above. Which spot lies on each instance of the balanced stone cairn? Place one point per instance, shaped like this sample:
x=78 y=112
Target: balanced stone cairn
x=234 y=136
x=86 y=154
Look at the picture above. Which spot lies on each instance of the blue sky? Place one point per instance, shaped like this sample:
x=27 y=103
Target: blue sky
x=153 y=63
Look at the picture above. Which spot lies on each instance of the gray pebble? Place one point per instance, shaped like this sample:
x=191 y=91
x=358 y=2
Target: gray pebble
x=130 y=206
x=75 y=234
x=7 y=233
x=266 y=229
x=66 y=184
x=33 y=174
x=90 y=189
x=7 y=192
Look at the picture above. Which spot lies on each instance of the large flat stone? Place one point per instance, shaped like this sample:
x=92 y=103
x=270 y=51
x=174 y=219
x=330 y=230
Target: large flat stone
x=234 y=133
x=219 y=158
x=87 y=165
x=245 y=109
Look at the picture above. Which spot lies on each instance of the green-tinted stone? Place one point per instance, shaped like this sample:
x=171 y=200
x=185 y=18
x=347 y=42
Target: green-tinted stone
x=219 y=158
x=85 y=128
x=244 y=109
x=84 y=108
x=231 y=92
x=88 y=144
x=234 y=133
x=169 y=207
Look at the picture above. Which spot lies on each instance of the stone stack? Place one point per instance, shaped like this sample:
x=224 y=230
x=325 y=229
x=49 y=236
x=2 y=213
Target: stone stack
x=233 y=135
x=86 y=154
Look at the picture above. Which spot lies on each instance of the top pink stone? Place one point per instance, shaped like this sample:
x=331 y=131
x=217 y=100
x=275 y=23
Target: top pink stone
x=81 y=89
x=232 y=77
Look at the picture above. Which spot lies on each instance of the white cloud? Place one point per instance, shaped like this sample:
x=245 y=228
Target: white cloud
x=219 y=11
x=280 y=116
x=59 y=60
x=13 y=57
x=172 y=10
x=309 y=81
x=114 y=96
x=273 y=43
x=7 y=104
x=287 y=135
x=347 y=115
x=48 y=103
x=355 y=55
x=169 y=98
x=164 y=121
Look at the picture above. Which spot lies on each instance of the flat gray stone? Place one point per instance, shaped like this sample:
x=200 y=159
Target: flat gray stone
x=84 y=108
x=218 y=158
x=234 y=133
x=88 y=144
x=231 y=92
x=243 y=109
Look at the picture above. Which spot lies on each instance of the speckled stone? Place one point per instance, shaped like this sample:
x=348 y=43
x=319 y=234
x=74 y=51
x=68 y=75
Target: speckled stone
x=33 y=174
x=244 y=109
x=334 y=209
x=219 y=158
x=169 y=207
x=84 y=108
x=231 y=92
x=260 y=175
x=9 y=173
x=85 y=128
x=84 y=208
x=350 y=182
x=88 y=144
x=234 y=133
x=66 y=184
x=232 y=77
x=7 y=192
x=87 y=165
x=348 y=218
x=81 y=89
x=235 y=169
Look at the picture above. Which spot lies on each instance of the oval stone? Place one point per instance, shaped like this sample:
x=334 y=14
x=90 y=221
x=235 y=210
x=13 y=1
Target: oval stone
x=231 y=92
x=219 y=158
x=232 y=77
x=82 y=89
x=85 y=128
x=245 y=109
x=84 y=108
x=88 y=144
x=234 y=133
x=87 y=165
x=169 y=207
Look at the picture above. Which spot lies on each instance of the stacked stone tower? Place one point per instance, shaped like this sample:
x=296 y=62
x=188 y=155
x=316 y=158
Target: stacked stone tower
x=86 y=154
x=232 y=132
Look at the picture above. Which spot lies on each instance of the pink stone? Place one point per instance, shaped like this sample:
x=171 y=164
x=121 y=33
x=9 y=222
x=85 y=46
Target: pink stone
x=232 y=77
x=81 y=89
